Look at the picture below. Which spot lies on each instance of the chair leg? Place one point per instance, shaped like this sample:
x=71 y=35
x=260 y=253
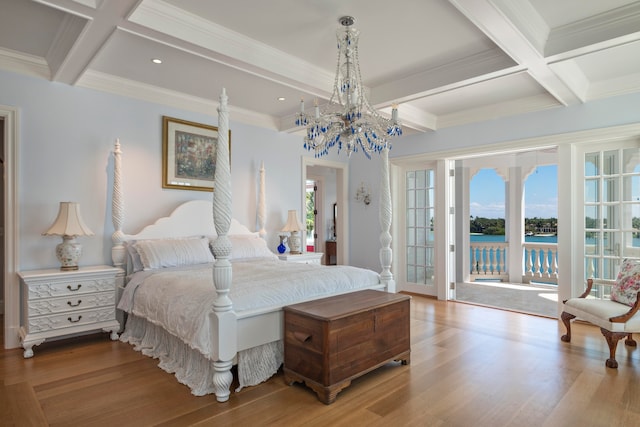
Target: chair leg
x=612 y=340
x=630 y=341
x=566 y=319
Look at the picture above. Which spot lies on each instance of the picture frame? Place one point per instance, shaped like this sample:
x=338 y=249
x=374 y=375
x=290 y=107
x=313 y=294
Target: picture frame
x=189 y=154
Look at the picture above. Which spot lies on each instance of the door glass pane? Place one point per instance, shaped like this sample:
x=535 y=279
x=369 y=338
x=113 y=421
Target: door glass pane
x=610 y=163
x=411 y=217
x=592 y=243
x=592 y=164
x=411 y=198
x=610 y=245
x=591 y=217
x=610 y=217
x=631 y=160
x=591 y=193
x=631 y=245
x=610 y=189
x=631 y=188
x=411 y=180
x=610 y=268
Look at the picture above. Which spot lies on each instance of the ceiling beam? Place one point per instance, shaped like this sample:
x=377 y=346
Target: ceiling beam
x=511 y=36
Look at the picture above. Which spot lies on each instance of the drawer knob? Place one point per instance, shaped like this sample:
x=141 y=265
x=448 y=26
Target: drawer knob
x=74 y=321
x=72 y=289
x=76 y=304
x=301 y=336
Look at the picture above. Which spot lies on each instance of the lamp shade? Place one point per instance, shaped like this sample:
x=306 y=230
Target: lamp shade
x=69 y=222
x=292 y=222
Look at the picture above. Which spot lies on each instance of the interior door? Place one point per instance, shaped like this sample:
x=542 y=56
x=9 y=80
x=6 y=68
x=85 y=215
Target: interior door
x=418 y=272
x=611 y=207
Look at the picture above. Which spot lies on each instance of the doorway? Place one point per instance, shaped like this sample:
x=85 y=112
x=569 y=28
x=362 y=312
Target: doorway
x=330 y=194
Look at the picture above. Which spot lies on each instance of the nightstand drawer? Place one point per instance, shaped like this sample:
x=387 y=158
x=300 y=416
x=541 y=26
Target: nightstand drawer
x=69 y=304
x=68 y=320
x=68 y=288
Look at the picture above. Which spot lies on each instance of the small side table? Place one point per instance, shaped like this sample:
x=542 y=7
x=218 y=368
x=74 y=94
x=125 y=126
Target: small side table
x=56 y=303
x=332 y=251
x=306 y=258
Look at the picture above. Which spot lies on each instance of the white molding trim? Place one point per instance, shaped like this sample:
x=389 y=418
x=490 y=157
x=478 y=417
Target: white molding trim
x=11 y=227
x=619 y=22
x=22 y=63
x=613 y=133
x=161 y=16
x=132 y=89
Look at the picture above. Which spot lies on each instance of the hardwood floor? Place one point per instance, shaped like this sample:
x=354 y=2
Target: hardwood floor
x=470 y=366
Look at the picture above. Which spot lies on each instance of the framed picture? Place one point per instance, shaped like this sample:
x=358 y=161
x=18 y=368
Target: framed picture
x=189 y=154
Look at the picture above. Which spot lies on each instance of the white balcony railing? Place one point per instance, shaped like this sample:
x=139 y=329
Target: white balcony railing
x=489 y=261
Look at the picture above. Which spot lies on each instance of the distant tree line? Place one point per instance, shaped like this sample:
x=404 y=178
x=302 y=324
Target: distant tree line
x=496 y=226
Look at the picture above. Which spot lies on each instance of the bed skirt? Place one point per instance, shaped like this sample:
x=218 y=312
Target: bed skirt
x=194 y=369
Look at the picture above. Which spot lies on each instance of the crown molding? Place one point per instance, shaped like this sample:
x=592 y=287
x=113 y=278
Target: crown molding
x=605 y=27
x=22 y=63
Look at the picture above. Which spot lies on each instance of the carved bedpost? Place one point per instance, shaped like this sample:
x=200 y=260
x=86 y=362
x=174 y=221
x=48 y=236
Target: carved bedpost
x=262 y=206
x=223 y=317
x=117 y=209
x=385 y=216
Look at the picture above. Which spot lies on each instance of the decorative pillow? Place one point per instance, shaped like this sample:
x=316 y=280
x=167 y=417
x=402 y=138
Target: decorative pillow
x=246 y=246
x=627 y=285
x=162 y=253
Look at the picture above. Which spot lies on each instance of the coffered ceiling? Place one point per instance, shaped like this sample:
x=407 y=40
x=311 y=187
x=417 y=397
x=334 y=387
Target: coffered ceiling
x=446 y=62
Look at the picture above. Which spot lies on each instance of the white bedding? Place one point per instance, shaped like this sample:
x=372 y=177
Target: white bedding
x=179 y=299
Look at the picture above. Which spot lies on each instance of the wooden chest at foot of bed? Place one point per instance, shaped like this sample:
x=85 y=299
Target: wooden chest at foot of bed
x=331 y=341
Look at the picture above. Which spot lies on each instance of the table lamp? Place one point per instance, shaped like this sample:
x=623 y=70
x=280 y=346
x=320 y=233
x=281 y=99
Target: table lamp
x=69 y=225
x=293 y=227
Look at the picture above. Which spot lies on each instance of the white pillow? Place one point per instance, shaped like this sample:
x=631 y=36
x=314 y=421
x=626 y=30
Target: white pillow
x=134 y=263
x=162 y=253
x=247 y=246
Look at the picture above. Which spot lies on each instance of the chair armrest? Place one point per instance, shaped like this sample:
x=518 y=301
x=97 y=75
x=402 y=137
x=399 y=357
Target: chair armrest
x=588 y=290
x=628 y=315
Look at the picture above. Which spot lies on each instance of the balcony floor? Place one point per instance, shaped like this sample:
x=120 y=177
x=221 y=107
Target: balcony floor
x=540 y=300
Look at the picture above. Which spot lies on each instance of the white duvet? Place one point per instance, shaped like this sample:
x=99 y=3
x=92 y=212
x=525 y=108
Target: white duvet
x=179 y=299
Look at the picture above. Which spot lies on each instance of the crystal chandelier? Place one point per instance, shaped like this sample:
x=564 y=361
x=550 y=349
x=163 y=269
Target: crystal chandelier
x=347 y=119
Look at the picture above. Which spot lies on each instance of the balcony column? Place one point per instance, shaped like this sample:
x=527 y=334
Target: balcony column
x=462 y=219
x=514 y=206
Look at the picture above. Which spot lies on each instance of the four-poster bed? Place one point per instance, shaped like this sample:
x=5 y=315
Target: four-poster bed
x=199 y=335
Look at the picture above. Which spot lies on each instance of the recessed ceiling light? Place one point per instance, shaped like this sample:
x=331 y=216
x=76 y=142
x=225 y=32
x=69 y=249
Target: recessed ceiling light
x=281 y=98
x=156 y=61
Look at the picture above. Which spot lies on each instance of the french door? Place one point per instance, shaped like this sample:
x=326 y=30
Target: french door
x=611 y=207
x=418 y=273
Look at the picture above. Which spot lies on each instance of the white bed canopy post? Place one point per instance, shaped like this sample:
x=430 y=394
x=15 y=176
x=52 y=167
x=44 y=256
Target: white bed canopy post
x=223 y=317
x=117 y=209
x=262 y=206
x=385 y=216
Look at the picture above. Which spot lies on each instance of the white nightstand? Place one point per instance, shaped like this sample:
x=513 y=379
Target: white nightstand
x=57 y=303
x=306 y=258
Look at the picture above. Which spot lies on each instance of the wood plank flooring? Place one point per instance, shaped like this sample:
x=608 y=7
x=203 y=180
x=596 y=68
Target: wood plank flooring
x=470 y=366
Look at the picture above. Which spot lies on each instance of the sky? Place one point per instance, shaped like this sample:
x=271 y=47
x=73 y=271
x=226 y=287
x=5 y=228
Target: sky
x=486 y=194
